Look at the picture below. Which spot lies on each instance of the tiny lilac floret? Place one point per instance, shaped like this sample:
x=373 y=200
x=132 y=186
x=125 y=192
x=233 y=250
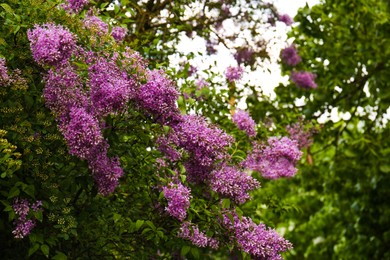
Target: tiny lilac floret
x=304 y=79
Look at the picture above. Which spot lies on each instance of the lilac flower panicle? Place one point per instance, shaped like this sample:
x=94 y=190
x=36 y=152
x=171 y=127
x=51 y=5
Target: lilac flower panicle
x=23 y=226
x=245 y=122
x=158 y=97
x=234 y=73
x=298 y=133
x=285 y=18
x=201 y=83
x=110 y=87
x=192 y=70
x=96 y=25
x=233 y=183
x=166 y=146
x=51 y=44
x=244 y=55
x=257 y=240
x=276 y=160
x=304 y=79
x=290 y=56
x=118 y=33
x=4 y=77
x=191 y=232
x=75 y=6
x=106 y=171
x=178 y=197
x=82 y=132
x=205 y=143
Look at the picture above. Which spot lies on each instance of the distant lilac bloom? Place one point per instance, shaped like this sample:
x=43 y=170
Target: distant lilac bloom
x=276 y=160
x=75 y=6
x=233 y=183
x=285 y=18
x=298 y=133
x=178 y=197
x=51 y=44
x=234 y=73
x=256 y=239
x=290 y=56
x=36 y=206
x=201 y=83
x=21 y=207
x=4 y=78
x=23 y=228
x=192 y=70
x=245 y=122
x=96 y=25
x=210 y=47
x=81 y=132
x=167 y=147
x=191 y=232
x=304 y=79
x=158 y=97
x=118 y=33
x=244 y=55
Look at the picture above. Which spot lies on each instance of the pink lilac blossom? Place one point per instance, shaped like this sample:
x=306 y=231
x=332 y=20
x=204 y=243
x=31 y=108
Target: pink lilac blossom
x=81 y=132
x=290 y=56
x=63 y=90
x=304 y=79
x=205 y=143
x=257 y=240
x=298 y=133
x=158 y=97
x=244 y=55
x=245 y=122
x=106 y=171
x=276 y=160
x=178 y=197
x=234 y=73
x=75 y=6
x=191 y=232
x=51 y=44
x=96 y=25
x=4 y=77
x=233 y=183
x=285 y=18
x=23 y=226
x=201 y=83
x=118 y=33
x=110 y=87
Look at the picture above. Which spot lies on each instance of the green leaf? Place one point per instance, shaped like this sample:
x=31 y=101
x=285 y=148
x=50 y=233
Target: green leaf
x=226 y=203
x=195 y=252
x=13 y=192
x=60 y=256
x=184 y=250
x=7 y=8
x=139 y=224
x=45 y=250
x=384 y=168
x=33 y=249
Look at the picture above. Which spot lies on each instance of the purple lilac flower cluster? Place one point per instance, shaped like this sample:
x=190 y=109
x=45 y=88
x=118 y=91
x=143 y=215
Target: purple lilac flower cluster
x=234 y=73
x=75 y=6
x=51 y=44
x=256 y=240
x=233 y=183
x=96 y=25
x=304 y=79
x=245 y=122
x=191 y=232
x=290 y=56
x=178 y=197
x=23 y=226
x=158 y=97
x=298 y=133
x=4 y=77
x=110 y=87
x=276 y=160
x=118 y=33
x=244 y=55
x=285 y=18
